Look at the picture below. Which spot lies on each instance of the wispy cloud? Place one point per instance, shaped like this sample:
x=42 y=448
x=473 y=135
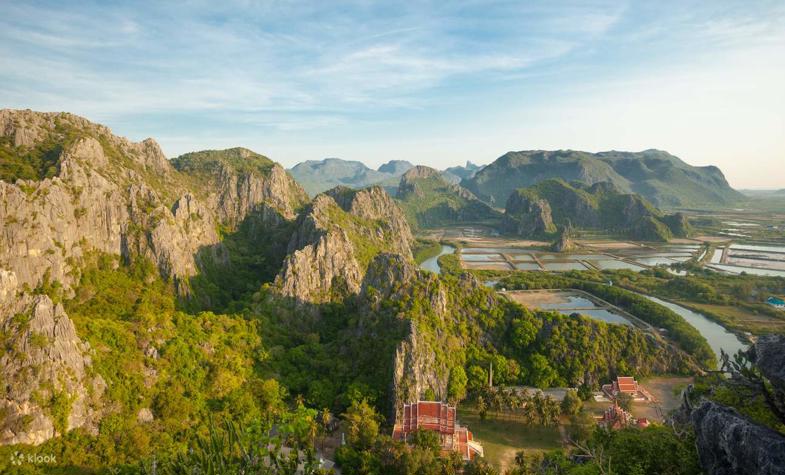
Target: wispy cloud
x=161 y=59
x=341 y=75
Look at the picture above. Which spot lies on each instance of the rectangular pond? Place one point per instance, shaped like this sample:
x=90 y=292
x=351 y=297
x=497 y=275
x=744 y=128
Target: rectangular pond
x=490 y=250
x=481 y=257
x=487 y=265
x=563 y=266
x=753 y=247
x=757 y=263
x=521 y=257
x=616 y=264
x=749 y=270
x=572 y=256
x=655 y=261
x=568 y=303
x=527 y=266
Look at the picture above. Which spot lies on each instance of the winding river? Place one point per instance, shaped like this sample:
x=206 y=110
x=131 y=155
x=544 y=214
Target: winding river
x=716 y=335
x=432 y=263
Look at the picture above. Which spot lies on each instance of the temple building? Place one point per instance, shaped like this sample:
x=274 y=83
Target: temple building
x=437 y=417
x=615 y=417
x=626 y=385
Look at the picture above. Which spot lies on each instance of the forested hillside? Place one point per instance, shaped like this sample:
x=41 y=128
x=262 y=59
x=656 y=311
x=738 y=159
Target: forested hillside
x=658 y=176
x=542 y=208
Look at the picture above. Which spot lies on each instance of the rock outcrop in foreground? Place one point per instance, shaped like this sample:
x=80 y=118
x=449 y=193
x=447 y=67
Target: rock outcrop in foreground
x=416 y=369
x=731 y=444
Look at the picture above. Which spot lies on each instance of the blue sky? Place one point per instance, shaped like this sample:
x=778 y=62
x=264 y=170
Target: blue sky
x=436 y=83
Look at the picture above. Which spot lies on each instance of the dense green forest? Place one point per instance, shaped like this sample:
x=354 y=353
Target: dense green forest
x=262 y=361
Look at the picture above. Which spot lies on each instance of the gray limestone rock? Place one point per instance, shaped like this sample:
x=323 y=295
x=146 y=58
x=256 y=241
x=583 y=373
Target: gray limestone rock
x=730 y=444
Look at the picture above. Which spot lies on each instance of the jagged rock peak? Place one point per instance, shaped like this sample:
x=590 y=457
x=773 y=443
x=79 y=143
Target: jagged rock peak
x=238 y=181
x=336 y=239
x=49 y=130
x=374 y=203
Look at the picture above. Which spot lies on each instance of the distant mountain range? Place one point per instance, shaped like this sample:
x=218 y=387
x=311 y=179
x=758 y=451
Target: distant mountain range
x=316 y=176
x=658 y=176
x=458 y=173
x=661 y=178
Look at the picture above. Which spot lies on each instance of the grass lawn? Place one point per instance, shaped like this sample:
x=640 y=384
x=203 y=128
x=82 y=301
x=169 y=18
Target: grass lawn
x=502 y=438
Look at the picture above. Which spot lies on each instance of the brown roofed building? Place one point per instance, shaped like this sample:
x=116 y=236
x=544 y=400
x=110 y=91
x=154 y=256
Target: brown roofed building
x=437 y=417
x=626 y=385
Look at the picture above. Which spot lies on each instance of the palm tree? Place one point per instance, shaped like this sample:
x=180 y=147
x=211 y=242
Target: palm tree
x=482 y=407
x=514 y=403
x=498 y=402
x=507 y=396
x=325 y=421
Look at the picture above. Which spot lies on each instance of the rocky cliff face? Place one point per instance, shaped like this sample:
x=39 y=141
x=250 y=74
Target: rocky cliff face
x=729 y=444
x=416 y=369
x=120 y=197
x=528 y=215
x=100 y=192
x=335 y=241
x=768 y=354
x=47 y=385
x=599 y=206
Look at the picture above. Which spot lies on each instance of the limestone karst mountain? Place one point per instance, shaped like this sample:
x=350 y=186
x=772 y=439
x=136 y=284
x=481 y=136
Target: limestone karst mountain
x=101 y=193
x=124 y=198
x=658 y=176
x=335 y=240
x=317 y=176
x=429 y=200
x=539 y=209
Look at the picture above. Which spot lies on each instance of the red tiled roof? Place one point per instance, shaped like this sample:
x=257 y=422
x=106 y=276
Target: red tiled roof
x=626 y=384
x=438 y=417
